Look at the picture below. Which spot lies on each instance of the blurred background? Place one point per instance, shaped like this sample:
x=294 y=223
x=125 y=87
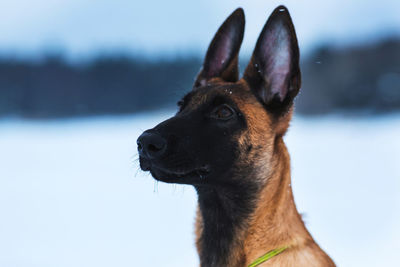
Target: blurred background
x=80 y=80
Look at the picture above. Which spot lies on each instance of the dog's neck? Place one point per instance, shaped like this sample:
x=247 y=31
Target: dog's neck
x=237 y=223
x=224 y=213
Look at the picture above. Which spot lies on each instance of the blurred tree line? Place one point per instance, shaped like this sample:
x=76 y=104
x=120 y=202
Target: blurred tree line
x=363 y=78
x=356 y=79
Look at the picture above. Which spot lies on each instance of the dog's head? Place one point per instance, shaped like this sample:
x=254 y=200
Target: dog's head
x=226 y=128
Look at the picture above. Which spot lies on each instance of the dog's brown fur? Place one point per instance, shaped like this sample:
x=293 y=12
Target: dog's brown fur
x=275 y=221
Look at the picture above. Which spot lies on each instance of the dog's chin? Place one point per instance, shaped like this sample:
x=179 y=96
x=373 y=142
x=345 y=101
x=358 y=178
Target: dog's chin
x=193 y=176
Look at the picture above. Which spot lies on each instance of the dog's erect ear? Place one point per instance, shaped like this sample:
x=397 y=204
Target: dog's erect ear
x=222 y=55
x=273 y=72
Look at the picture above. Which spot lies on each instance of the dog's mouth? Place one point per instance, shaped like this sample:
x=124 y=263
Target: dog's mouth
x=178 y=175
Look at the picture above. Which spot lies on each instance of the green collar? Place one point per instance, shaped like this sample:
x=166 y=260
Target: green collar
x=267 y=256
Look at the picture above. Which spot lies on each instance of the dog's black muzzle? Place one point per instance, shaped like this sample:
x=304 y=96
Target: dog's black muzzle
x=174 y=151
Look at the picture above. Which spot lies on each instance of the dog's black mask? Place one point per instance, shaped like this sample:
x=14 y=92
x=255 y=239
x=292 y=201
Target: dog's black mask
x=198 y=145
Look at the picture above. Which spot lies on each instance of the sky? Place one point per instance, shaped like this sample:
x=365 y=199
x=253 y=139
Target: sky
x=78 y=28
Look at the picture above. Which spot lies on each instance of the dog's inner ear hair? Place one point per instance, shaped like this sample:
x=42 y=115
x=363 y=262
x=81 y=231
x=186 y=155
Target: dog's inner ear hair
x=222 y=55
x=273 y=72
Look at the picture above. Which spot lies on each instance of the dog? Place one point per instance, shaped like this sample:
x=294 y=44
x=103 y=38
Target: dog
x=227 y=141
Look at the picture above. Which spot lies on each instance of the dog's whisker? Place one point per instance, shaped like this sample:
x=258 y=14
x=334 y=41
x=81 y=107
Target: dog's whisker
x=155 y=189
x=137 y=171
x=135 y=156
x=173 y=189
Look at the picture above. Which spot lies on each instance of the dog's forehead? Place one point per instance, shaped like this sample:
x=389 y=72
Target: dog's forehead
x=231 y=91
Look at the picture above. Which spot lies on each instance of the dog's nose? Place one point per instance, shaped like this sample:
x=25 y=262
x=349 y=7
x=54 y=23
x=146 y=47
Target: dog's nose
x=151 y=145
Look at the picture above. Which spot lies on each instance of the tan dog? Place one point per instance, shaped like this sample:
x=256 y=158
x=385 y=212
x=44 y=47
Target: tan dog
x=227 y=141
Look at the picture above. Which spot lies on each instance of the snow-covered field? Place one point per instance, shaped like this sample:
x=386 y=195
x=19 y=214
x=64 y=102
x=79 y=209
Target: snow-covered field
x=71 y=193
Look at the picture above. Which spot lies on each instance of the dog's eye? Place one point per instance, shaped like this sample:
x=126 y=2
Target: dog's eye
x=223 y=112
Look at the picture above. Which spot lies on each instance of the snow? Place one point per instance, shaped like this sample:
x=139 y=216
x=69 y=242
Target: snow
x=71 y=193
